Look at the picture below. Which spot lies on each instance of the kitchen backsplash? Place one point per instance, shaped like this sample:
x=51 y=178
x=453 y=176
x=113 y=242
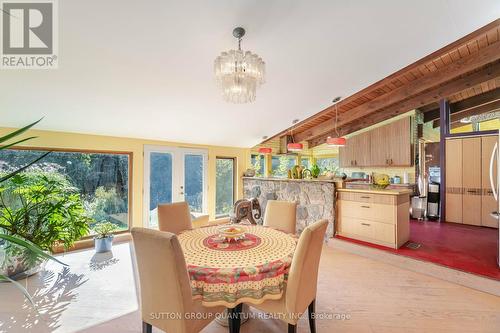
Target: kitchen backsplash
x=388 y=171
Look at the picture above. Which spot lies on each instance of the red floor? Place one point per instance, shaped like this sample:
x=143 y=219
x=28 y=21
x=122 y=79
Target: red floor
x=466 y=248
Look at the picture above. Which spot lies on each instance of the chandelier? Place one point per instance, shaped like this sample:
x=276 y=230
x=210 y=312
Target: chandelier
x=239 y=73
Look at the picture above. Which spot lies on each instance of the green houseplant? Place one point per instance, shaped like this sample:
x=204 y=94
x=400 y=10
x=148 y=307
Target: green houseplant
x=36 y=252
x=103 y=239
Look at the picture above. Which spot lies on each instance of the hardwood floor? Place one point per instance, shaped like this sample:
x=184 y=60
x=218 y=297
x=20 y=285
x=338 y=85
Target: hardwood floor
x=355 y=294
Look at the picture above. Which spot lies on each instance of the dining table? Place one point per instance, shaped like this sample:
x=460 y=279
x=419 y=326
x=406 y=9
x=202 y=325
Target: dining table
x=230 y=272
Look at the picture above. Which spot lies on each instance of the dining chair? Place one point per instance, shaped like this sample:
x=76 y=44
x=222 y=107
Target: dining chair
x=300 y=291
x=175 y=217
x=281 y=215
x=166 y=301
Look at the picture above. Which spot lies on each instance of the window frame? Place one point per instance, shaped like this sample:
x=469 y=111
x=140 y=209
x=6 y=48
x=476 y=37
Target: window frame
x=96 y=151
x=235 y=184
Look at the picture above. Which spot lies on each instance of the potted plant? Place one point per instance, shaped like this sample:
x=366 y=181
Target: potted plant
x=43 y=209
x=103 y=240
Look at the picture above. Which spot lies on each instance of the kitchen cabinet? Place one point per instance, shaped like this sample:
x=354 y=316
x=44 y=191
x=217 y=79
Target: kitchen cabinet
x=469 y=199
x=488 y=202
x=471 y=181
x=454 y=181
x=374 y=216
x=388 y=145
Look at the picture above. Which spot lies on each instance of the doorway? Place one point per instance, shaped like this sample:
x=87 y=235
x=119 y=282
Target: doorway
x=173 y=174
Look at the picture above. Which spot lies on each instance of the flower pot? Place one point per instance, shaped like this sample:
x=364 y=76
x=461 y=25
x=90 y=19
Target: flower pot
x=103 y=244
x=18 y=264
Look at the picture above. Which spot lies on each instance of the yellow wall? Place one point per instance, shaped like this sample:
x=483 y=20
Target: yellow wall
x=51 y=139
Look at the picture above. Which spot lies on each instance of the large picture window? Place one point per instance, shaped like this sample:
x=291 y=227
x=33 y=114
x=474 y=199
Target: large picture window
x=281 y=165
x=101 y=179
x=224 y=187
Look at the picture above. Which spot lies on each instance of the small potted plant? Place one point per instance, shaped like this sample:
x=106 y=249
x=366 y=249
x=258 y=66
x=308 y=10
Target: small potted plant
x=103 y=239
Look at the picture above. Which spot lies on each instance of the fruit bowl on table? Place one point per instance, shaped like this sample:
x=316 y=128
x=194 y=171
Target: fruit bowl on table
x=231 y=232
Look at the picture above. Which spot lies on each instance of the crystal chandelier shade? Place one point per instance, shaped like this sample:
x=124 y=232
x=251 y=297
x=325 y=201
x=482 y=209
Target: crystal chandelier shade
x=239 y=73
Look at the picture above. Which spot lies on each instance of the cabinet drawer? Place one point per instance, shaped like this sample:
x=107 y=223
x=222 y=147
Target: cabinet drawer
x=368 y=211
x=369 y=198
x=368 y=230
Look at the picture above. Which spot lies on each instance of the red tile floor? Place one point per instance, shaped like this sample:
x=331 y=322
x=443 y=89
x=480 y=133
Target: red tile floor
x=467 y=248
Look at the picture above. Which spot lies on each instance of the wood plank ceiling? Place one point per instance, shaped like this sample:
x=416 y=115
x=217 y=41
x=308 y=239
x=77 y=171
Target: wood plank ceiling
x=460 y=70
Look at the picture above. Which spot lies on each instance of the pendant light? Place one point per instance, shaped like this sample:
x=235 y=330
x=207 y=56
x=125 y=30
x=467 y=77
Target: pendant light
x=265 y=150
x=294 y=146
x=336 y=141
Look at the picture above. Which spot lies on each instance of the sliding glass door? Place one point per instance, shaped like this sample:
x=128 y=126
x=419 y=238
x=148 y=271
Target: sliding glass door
x=171 y=175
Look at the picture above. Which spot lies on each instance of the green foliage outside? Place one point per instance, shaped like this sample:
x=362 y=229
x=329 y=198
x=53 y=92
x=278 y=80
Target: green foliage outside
x=258 y=165
x=224 y=194
x=42 y=208
x=284 y=164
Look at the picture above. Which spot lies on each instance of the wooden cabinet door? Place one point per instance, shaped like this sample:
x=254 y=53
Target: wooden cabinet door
x=488 y=202
x=454 y=180
x=471 y=180
x=400 y=143
x=345 y=153
x=362 y=152
x=379 y=146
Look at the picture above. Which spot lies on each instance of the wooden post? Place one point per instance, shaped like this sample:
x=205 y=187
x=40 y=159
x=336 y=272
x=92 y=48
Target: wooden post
x=444 y=131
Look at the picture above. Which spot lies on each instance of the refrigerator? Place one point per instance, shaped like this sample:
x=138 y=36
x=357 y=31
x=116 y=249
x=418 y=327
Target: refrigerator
x=495 y=185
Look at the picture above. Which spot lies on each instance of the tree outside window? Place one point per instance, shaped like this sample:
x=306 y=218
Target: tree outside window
x=224 y=186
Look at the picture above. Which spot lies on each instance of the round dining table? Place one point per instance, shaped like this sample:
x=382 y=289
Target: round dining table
x=250 y=270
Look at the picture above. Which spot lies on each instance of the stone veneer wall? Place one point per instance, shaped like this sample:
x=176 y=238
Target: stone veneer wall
x=315 y=199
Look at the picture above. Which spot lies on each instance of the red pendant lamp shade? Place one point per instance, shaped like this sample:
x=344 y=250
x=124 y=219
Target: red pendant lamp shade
x=336 y=142
x=265 y=150
x=292 y=146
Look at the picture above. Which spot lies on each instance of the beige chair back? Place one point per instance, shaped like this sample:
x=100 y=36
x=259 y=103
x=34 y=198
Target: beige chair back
x=303 y=275
x=164 y=280
x=174 y=217
x=281 y=215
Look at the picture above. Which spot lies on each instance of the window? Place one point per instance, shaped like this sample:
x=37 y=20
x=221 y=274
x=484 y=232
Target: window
x=258 y=163
x=281 y=165
x=328 y=164
x=304 y=161
x=224 y=186
x=102 y=179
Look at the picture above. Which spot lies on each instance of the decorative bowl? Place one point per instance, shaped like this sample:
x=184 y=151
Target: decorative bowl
x=231 y=232
x=379 y=186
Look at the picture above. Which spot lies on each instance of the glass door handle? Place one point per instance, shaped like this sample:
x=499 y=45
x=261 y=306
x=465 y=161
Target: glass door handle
x=492 y=181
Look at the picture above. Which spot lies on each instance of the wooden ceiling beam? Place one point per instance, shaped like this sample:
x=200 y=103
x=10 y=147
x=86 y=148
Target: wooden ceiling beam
x=460 y=67
x=478 y=109
x=428 y=97
x=465 y=104
x=471 y=102
x=381 y=83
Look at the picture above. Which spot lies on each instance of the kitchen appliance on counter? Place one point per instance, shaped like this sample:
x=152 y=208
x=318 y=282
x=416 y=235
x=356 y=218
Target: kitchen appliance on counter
x=495 y=184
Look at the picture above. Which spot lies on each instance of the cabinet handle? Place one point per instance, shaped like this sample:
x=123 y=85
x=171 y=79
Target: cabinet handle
x=387 y=162
x=365 y=197
x=365 y=206
x=367 y=224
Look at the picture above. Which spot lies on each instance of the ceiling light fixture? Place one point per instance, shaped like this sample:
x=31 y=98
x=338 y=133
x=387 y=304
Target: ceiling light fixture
x=239 y=73
x=337 y=141
x=294 y=146
x=265 y=150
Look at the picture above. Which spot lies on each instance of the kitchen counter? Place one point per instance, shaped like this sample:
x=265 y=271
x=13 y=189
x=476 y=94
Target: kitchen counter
x=292 y=180
x=375 y=191
x=315 y=198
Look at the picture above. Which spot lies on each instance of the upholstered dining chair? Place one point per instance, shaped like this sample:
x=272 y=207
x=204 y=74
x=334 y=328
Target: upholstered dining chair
x=166 y=299
x=281 y=215
x=175 y=217
x=300 y=292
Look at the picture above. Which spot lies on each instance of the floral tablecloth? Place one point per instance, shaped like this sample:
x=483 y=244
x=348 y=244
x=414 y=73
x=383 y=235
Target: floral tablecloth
x=251 y=270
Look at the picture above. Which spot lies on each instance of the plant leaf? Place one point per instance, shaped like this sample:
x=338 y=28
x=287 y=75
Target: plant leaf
x=20 y=287
x=17 y=142
x=19 y=131
x=33 y=248
x=4 y=178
